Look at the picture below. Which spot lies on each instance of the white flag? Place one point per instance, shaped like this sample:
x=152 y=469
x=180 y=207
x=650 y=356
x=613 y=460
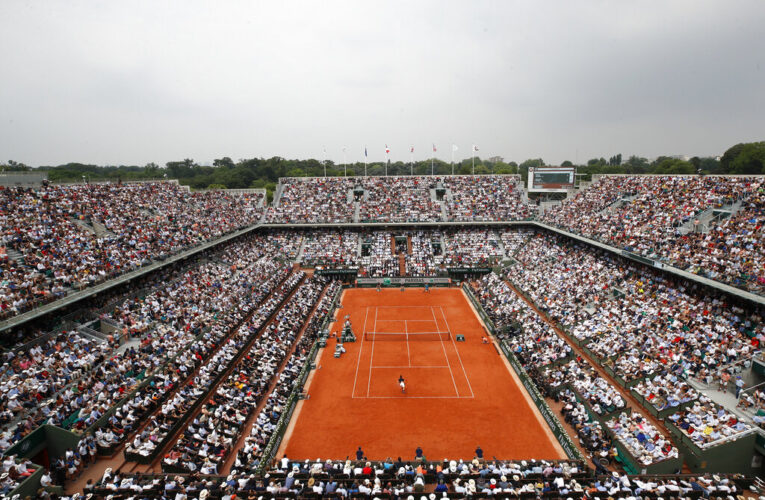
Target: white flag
x=475 y=148
x=454 y=147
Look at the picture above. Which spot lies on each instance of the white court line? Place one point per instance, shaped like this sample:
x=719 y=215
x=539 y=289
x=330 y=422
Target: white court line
x=361 y=347
x=400 y=333
x=408 y=354
x=458 y=352
x=446 y=355
x=369 y=380
x=413 y=397
x=390 y=307
x=409 y=320
x=410 y=367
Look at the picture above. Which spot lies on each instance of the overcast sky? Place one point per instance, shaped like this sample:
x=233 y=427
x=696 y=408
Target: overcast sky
x=133 y=82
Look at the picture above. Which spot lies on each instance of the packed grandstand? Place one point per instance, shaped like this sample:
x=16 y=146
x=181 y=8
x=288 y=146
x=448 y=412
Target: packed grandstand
x=157 y=340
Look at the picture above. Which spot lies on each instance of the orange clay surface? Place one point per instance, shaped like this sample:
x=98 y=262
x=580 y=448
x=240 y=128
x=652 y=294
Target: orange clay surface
x=458 y=394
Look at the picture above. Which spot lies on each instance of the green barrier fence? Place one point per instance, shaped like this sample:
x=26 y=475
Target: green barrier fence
x=281 y=426
x=728 y=456
x=29 y=487
x=660 y=413
x=477 y=305
x=556 y=427
x=552 y=421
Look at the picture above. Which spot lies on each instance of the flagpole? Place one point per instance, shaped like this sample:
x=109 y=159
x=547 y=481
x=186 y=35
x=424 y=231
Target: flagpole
x=345 y=164
x=452 y=159
x=411 y=161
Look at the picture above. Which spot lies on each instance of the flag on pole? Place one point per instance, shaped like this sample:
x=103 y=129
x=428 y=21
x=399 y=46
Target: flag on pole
x=475 y=148
x=365 y=151
x=434 y=148
x=387 y=149
x=454 y=147
x=411 y=149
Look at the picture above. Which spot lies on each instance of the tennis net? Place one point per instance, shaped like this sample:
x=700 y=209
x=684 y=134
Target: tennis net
x=407 y=336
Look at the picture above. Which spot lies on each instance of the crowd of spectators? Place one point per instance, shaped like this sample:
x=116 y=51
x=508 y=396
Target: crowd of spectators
x=427 y=254
x=398 y=199
x=539 y=347
x=74 y=236
x=72 y=381
x=472 y=248
x=652 y=322
x=378 y=259
x=485 y=198
x=643 y=440
x=32 y=381
x=514 y=239
x=532 y=340
x=284 y=331
x=401 y=480
x=13 y=471
x=645 y=214
x=151 y=439
x=331 y=249
x=313 y=199
x=709 y=424
x=732 y=251
x=665 y=391
x=604 y=398
x=208 y=439
x=592 y=437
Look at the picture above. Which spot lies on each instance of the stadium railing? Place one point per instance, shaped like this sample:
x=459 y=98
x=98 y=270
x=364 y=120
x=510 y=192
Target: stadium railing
x=552 y=420
x=732 y=454
x=269 y=451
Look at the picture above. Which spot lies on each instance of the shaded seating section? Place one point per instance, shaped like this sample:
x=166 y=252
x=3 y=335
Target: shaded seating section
x=645 y=214
x=74 y=236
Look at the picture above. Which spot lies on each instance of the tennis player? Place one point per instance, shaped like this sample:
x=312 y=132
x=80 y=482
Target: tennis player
x=402 y=383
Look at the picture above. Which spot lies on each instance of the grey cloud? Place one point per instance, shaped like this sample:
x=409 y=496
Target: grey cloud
x=147 y=81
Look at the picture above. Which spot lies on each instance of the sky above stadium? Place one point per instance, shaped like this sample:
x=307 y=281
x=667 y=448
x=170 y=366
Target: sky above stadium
x=136 y=82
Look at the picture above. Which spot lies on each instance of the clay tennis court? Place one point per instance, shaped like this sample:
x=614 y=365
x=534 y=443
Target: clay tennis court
x=458 y=394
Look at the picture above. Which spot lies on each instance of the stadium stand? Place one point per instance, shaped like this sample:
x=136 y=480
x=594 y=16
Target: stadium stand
x=197 y=369
x=69 y=237
x=669 y=218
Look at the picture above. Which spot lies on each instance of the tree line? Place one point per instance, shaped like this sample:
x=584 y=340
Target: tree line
x=744 y=158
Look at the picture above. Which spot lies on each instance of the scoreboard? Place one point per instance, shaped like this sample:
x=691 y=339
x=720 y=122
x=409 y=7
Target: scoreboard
x=551 y=179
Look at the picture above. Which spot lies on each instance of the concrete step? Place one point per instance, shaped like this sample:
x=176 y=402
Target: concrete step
x=14 y=255
x=100 y=230
x=624 y=200
x=84 y=225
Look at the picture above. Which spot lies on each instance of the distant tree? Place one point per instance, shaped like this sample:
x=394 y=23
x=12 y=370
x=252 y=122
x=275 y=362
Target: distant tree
x=567 y=163
x=696 y=162
x=636 y=165
x=727 y=158
x=615 y=160
x=710 y=165
x=750 y=160
x=674 y=166
x=592 y=162
x=15 y=166
x=225 y=162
